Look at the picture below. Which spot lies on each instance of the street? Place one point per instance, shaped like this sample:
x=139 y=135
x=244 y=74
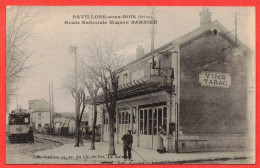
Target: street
x=22 y=152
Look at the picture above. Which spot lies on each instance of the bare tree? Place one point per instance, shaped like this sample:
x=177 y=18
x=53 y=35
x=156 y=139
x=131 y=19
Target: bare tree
x=89 y=79
x=80 y=99
x=106 y=58
x=19 y=22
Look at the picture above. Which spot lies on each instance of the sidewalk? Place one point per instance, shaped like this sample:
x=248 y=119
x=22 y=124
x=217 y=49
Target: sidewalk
x=67 y=153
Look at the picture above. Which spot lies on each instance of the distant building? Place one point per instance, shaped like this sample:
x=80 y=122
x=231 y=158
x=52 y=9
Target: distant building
x=65 y=123
x=40 y=114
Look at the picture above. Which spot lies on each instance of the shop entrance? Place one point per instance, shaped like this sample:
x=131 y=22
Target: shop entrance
x=149 y=121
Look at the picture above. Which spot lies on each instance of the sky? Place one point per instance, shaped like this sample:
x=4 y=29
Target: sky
x=52 y=61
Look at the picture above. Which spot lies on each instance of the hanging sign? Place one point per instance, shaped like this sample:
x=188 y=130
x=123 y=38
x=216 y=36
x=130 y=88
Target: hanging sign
x=215 y=79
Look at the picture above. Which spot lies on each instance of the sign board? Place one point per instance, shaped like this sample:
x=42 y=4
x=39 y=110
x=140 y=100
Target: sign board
x=215 y=79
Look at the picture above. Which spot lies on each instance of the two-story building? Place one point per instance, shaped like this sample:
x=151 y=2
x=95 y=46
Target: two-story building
x=40 y=114
x=197 y=91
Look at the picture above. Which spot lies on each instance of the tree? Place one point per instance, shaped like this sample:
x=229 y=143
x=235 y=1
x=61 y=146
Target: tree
x=80 y=99
x=88 y=78
x=19 y=21
x=106 y=58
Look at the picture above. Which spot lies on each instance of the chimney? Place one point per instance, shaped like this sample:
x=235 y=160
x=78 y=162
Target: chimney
x=139 y=52
x=205 y=16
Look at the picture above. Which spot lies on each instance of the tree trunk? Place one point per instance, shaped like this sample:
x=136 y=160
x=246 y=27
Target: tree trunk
x=77 y=125
x=94 y=128
x=111 y=133
x=77 y=134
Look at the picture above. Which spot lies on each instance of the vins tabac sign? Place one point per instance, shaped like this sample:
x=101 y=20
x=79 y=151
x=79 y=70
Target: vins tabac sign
x=215 y=79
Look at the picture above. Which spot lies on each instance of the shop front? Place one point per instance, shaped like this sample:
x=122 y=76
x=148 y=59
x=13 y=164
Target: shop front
x=143 y=115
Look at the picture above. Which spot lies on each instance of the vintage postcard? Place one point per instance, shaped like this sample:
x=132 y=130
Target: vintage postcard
x=130 y=85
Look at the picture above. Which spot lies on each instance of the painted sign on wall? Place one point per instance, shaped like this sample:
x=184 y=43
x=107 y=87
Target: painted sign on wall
x=215 y=79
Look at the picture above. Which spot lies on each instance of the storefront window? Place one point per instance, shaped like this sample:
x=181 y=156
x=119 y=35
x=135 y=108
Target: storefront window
x=155 y=126
x=141 y=122
x=145 y=122
x=164 y=117
x=123 y=117
x=151 y=119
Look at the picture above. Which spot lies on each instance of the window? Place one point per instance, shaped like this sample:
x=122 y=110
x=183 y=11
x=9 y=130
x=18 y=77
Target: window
x=39 y=116
x=119 y=117
x=26 y=120
x=141 y=122
x=134 y=115
x=124 y=120
x=123 y=117
x=164 y=117
x=155 y=122
x=151 y=119
x=137 y=75
x=150 y=122
x=125 y=78
x=145 y=121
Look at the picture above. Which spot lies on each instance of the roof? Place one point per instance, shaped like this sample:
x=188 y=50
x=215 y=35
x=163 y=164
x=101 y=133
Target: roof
x=191 y=35
x=39 y=105
x=19 y=111
x=70 y=115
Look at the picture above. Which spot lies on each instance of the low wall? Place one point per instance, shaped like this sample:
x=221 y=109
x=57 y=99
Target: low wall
x=204 y=143
x=208 y=143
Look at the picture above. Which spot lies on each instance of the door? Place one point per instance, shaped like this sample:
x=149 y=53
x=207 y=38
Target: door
x=149 y=121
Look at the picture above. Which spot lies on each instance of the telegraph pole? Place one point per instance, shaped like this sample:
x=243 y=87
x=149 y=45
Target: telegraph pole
x=152 y=36
x=76 y=100
x=236 y=27
x=16 y=97
x=50 y=104
x=52 y=109
x=74 y=50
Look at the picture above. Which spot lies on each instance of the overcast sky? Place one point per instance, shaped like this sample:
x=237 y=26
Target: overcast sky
x=52 y=60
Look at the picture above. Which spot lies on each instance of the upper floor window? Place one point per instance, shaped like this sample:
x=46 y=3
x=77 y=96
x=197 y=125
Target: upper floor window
x=137 y=75
x=39 y=116
x=125 y=78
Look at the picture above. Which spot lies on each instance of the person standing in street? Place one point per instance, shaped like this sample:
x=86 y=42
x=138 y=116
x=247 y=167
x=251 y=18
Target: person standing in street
x=127 y=144
x=30 y=136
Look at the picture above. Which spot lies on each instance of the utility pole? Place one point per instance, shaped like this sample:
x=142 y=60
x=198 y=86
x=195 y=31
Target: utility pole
x=74 y=50
x=152 y=36
x=52 y=109
x=236 y=27
x=16 y=97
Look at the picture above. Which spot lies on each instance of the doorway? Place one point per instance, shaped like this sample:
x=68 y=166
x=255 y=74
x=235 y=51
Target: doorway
x=149 y=121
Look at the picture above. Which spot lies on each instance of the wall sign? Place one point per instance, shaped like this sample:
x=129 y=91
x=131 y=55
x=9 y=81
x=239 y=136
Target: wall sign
x=215 y=79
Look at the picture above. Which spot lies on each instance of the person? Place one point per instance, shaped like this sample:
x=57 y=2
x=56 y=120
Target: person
x=30 y=136
x=87 y=131
x=160 y=146
x=81 y=136
x=127 y=144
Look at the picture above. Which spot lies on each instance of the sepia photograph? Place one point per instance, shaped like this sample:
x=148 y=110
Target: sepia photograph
x=130 y=85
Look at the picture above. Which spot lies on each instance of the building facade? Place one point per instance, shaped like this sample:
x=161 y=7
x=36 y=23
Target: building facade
x=40 y=114
x=65 y=123
x=196 y=87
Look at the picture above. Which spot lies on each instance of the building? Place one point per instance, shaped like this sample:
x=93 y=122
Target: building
x=40 y=114
x=40 y=118
x=65 y=123
x=197 y=90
